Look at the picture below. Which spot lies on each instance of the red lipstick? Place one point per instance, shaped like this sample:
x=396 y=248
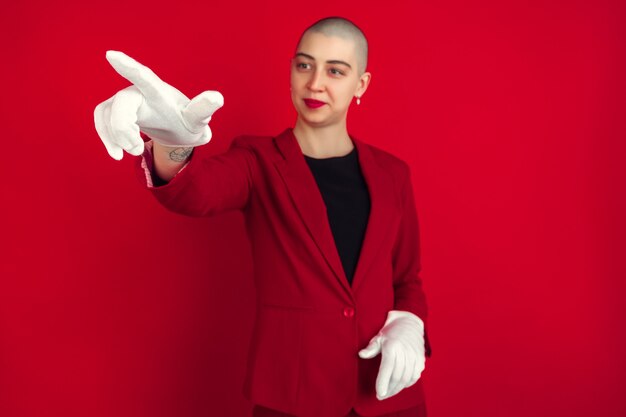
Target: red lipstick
x=313 y=103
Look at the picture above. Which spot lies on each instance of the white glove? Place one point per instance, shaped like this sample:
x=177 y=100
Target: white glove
x=154 y=107
x=401 y=341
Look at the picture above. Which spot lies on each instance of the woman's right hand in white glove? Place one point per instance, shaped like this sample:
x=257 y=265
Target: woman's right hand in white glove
x=154 y=107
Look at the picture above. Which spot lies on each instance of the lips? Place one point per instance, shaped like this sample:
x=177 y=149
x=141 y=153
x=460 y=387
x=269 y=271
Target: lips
x=313 y=103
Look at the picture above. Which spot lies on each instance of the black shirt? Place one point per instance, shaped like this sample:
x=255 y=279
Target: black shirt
x=347 y=199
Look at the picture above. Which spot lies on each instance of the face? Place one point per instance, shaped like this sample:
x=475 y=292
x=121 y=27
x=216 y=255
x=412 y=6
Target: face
x=325 y=69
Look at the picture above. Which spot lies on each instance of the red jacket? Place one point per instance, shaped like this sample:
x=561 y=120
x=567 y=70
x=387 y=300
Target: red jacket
x=310 y=323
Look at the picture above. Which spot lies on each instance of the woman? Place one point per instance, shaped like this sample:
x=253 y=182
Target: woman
x=332 y=222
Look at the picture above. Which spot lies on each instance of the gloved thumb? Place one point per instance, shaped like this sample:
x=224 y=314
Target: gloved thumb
x=372 y=349
x=198 y=112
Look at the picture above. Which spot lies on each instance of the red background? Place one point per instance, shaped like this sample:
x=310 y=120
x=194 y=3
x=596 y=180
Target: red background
x=512 y=118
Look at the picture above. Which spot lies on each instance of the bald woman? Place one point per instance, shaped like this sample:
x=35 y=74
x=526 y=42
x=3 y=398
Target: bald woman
x=340 y=324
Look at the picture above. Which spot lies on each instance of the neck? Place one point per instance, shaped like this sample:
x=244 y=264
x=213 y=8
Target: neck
x=323 y=142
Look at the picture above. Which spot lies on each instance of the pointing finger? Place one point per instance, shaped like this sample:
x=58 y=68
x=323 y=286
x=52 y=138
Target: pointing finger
x=143 y=77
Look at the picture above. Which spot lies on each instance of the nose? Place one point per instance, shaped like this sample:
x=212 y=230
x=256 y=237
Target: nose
x=315 y=81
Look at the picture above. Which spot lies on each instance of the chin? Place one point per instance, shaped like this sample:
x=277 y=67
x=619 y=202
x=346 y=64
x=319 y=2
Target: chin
x=311 y=119
x=314 y=122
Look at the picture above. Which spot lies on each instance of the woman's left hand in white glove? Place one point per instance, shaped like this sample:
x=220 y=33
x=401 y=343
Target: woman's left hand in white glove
x=401 y=341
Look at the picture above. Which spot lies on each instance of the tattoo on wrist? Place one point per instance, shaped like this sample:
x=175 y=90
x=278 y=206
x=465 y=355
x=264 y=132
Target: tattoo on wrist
x=180 y=154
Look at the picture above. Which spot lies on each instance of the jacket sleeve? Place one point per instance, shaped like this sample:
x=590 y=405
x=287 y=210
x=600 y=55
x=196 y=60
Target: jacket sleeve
x=206 y=185
x=408 y=292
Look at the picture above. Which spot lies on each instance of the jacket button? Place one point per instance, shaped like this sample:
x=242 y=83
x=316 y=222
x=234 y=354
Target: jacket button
x=348 y=312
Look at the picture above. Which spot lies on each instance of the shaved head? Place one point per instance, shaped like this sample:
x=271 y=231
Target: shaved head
x=345 y=29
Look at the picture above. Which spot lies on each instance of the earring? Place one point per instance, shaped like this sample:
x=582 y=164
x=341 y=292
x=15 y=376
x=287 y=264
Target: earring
x=358 y=100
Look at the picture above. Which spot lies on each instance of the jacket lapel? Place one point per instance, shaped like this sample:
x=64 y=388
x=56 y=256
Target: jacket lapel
x=310 y=204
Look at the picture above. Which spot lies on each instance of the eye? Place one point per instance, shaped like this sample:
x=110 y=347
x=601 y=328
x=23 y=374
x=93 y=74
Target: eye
x=335 y=71
x=303 y=65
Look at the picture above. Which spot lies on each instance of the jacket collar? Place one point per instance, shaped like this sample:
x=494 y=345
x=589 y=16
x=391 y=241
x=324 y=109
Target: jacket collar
x=309 y=202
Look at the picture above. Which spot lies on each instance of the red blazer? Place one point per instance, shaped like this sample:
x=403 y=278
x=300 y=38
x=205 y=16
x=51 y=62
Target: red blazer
x=310 y=323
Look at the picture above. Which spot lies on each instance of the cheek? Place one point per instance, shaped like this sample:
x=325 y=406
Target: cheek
x=293 y=77
x=296 y=82
x=345 y=93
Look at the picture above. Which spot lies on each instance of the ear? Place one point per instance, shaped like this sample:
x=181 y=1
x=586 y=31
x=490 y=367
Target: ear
x=364 y=82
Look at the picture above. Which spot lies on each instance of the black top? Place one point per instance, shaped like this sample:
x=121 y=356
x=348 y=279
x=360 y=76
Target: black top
x=347 y=199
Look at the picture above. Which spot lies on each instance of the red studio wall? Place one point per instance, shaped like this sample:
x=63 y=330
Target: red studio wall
x=512 y=116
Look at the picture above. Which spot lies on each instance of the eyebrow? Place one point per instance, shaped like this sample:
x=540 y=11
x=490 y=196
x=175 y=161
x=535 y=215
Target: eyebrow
x=332 y=61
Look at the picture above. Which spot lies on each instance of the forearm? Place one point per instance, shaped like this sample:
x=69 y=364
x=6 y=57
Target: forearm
x=204 y=185
x=168 y=161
